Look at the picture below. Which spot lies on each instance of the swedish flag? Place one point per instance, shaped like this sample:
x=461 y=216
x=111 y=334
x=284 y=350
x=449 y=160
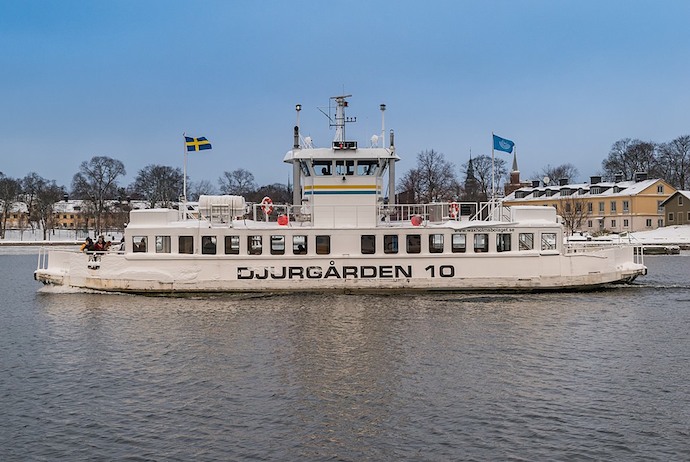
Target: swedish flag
x=197 y=144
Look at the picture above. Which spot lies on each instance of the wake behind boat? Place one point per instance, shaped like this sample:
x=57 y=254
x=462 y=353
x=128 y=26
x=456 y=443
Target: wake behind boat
x=341 y=234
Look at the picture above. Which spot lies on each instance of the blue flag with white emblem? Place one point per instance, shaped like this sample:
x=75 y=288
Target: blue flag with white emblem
x=502 y=144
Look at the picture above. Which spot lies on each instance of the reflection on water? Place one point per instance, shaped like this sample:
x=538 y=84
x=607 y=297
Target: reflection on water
x=598 y=375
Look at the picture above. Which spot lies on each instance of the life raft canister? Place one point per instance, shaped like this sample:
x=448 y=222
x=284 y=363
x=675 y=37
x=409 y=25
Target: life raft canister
x=453 y=210
x=267 y=205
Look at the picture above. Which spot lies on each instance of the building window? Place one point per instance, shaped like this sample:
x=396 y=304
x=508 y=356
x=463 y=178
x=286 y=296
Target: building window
x=232 y=245
x=139 y=243
x=680 y=199
x=481 y=242
x=277 y=244
x=185 y=244
x=459 y=243
x=548 y=241
x=670 y=217
x=414 y=243
x=613 y=206
x=613 y=223
x=589 y=208
x=299 y=245
x=435 y=243
x=567 y=207
x=648 y=223
x=601 y=207
x=660 y=189
x=626 y=206
x=525 y=241
x=208 y=245
x=254 y=245
x=503 y=242
x=323 y=245
x=688 y=216
x=626 y=223
x=368 y=243
x=660 y=222
x=390 y=243
x=162 y=244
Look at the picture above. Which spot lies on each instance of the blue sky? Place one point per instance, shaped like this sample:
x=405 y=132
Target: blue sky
x=563 y=79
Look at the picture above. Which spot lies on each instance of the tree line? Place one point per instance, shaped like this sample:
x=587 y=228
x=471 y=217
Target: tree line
x=434 y=178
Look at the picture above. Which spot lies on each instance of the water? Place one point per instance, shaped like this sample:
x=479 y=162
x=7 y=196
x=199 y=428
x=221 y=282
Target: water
x=575 y=376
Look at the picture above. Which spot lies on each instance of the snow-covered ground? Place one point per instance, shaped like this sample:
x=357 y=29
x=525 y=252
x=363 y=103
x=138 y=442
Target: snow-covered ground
x=58 y=235
x=668 y=235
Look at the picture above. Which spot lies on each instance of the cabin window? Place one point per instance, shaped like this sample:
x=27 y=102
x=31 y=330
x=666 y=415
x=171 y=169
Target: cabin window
x=208 y=245
x=459 y=243
x=323 y=245
x=299 y=245
x=435 y=243
x=162 y=244
x=322 y=167
x=548 y=241
x=414 y=243
x=390 y=243
x=254 y=245
x=185 y=244
x=503 y=242
x=232 y=245
x=366 y=167
x=344 y=167
x=277 y=244
x=481 y=242
x=526 y=241
x=139 y=243
x=368 y=243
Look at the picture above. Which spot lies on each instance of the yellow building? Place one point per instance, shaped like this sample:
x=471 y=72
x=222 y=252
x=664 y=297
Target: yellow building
x=596 y=207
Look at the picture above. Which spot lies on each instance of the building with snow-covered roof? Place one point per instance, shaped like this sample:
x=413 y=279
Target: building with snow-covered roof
x=677 y=208
x=599 y=206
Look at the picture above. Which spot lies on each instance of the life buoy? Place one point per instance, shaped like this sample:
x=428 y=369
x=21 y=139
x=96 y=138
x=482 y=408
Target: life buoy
x=453 y=210
x=267 y=205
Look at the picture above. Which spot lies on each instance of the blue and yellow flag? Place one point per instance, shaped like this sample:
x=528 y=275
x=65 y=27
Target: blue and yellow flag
x=197 y=144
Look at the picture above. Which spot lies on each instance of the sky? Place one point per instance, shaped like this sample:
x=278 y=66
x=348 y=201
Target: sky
x=562 y=79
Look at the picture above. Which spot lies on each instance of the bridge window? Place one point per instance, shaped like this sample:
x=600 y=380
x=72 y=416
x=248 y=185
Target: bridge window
x=323 y=245
x=208 y=245
x=185 y=244
x=344 y=167
x=459 y=243
x=367 y=167
x=299 y=245
x=414 y=243
x=435 y=243
x=323 y=167
x=232 y=245
x=390 y=243
x=368 y=243
x=162 y=244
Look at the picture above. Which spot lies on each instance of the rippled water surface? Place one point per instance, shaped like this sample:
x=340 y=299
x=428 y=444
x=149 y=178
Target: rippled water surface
x=576 y=376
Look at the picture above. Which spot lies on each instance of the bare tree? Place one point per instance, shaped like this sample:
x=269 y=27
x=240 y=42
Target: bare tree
x=573 y=210
x=434 y=178
x=409 y=190
x=674 y=162
x=160 y=185
x=96 y=182
x=631 y=156
x=10 y=189
x=238 y=182
x=46 y=197
x=568 y=171
x=31 y=184
x=482 y=173
x=277 y=192
x=199 y=188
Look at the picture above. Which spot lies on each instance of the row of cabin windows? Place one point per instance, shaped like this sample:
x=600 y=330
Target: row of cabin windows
x=278 y=244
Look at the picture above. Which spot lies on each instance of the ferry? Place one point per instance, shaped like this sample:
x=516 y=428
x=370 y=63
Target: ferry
x=342 y=233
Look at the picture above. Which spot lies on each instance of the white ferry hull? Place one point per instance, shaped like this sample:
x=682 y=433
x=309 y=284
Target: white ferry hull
x=135 y=274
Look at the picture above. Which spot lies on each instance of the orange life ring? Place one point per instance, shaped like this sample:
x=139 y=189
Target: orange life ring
x=267 y=205
x=453 y=210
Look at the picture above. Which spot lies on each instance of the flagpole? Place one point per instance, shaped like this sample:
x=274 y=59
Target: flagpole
x=493 y=183
x=184 y=173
